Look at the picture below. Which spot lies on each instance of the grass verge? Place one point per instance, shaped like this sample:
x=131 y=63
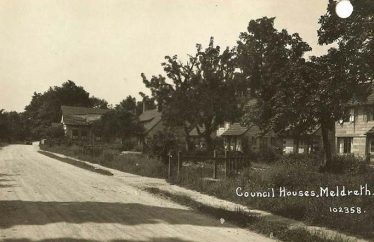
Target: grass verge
x=77 y=164
x=255 y=223
x=111 y=158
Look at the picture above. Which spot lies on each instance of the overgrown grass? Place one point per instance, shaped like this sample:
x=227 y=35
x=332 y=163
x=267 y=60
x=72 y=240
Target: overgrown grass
x=136 y=164
x=253 y=222
x=297 y=174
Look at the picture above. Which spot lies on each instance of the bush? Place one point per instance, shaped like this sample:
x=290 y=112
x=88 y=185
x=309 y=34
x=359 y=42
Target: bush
x=348 y=164
x=268 y=155
x=161 y=144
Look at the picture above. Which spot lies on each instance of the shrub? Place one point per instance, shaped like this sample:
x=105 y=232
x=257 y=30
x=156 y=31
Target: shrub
x=161 y=144
x=348 y=164
x=269 y=154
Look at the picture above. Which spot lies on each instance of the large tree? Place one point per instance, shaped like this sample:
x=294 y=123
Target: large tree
x=13 y=126
x=293 y=94
x=347 y=71
x=354 y=37
x=119 y=123
x=199 y=93
x=270 y=61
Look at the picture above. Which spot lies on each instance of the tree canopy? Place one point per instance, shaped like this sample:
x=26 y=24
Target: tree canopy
x=354 y=37
x=199 y=92
x=271 y=62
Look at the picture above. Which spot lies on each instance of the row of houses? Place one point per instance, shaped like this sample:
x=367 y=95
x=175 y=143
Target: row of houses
x=354 y=135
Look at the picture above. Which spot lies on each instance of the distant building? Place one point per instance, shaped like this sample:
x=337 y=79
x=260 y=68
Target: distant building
x=309 y=142
x=197 y=140
x=77 y=122
x=241 y=138
x=151 y=122
x=355 y=134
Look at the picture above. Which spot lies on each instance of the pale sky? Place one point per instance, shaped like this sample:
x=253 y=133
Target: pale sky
x=105 y=45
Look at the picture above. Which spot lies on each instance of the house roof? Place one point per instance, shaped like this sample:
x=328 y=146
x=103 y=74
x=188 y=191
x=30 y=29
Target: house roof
x=71 y=110
x=370 y=132
x=194 y=132
x=56 y=125
x=150 y=119
x=74 y=120
x=313 y=131
x=235 y=130
x=73 y=115
x=370 y=99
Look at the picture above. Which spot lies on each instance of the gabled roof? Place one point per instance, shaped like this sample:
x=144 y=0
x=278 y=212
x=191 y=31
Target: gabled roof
x=149 y=119
x=194 y=132
x=56 y=125
x=235 y=130
x=71 y=110
x=73 y=115
x=370 y=132
x=74 y=120
x=370 y=99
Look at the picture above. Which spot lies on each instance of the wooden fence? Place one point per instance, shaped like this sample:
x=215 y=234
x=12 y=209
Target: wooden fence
x=233 y=162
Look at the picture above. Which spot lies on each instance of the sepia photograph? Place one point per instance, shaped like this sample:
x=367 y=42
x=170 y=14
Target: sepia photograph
x=186 y=120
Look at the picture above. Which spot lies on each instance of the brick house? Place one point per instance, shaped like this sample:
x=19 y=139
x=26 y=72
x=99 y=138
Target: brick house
x=355 y=134
x=77 y=122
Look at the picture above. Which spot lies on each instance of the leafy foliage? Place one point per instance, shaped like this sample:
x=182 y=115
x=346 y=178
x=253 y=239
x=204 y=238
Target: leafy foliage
x=13 y=126
x=98 y=103
x=201 y=92
x=354 y=37
x=162 y=144
x=117 y=123
x=269 y=59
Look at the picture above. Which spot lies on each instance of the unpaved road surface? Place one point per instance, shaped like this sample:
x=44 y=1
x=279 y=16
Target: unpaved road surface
x=43 y=199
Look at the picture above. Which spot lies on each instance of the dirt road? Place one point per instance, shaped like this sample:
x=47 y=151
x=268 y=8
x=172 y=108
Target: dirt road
x=42 y=199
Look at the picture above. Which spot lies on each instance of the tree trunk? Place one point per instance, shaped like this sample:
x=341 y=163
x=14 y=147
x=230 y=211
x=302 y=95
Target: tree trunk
x=208 y=140
x=188 y=143
x=187 y=138
x=326 y=146
x=296 y=139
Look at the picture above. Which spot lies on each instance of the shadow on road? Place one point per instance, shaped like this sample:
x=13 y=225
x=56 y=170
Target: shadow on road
x=172 y=239
x=40 y=213
x=4 y=182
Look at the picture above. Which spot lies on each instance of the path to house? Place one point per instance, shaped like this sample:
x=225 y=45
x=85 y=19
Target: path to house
x=42 y=199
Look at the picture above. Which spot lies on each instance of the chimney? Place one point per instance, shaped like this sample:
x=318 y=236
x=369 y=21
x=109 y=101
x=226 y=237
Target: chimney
x=144 y=105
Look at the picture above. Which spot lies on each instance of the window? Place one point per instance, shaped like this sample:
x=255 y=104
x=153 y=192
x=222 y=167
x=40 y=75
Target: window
x=263 y=143
x=75 y=133
x=273 y=141
x=370 y=114
x=84 y=134
x=372 y=146
x=350 y=117
x=345 y=145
